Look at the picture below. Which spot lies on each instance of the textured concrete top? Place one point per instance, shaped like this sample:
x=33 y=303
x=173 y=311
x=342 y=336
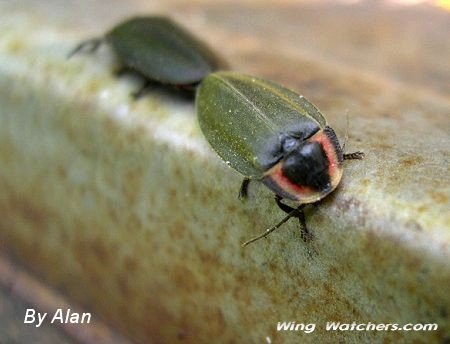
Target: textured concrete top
x=122 y=205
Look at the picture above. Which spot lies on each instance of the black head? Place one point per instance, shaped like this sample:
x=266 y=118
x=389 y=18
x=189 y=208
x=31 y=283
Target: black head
x=307 y=165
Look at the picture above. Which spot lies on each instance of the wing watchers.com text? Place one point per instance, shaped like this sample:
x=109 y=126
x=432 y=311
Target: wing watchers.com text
x=339 y=326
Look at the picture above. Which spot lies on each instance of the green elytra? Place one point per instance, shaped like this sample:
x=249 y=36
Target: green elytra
x=242 y=116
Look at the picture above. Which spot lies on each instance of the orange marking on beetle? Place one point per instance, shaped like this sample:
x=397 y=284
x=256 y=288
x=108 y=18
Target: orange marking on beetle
x=328 y=147
x=306 y=194
x=297 y=191
x=284 y=182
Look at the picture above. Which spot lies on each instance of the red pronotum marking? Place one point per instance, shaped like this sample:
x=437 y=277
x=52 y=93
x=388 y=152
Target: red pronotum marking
x=328 y=147
x=303 y=192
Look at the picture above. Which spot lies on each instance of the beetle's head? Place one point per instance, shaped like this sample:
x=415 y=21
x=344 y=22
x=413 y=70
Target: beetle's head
x=307 y=165
x=309 y=170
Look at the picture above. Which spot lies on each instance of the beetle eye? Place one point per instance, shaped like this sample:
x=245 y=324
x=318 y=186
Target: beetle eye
x=289 y=144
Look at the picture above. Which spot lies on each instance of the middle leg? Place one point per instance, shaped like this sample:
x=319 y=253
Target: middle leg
x=306 y=235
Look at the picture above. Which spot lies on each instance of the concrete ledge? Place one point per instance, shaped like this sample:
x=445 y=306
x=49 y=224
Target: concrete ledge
x=123 y=207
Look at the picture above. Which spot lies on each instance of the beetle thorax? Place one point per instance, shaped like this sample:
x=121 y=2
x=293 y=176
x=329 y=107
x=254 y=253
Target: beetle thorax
x=309 y=170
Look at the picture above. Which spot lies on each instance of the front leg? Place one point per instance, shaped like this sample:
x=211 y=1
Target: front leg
x=354 y=156
x=121 y=71
x=89 y=46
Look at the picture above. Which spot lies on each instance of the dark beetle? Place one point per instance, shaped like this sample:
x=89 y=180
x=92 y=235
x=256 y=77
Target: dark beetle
x=273 y=135
x=159 y=50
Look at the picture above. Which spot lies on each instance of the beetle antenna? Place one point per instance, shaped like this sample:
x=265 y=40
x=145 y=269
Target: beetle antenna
x=293 y=213
x=91 y=45
x=350 y=156
x=346 y=130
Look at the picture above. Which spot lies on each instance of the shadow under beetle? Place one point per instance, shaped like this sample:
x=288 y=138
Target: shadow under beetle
x=271 y=134
x=159 y=50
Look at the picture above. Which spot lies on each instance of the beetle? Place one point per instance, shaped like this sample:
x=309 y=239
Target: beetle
x=273 y=135
x=159 y=50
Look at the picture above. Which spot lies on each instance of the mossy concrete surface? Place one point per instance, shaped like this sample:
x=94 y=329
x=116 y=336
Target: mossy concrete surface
x=123 y=207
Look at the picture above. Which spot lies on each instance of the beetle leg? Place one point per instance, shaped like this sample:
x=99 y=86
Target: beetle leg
x=187 y=91
x=305 y=234
x=282 y=206
x=148 y=84
x=89 y=46
x=188 y=88
x=243 y=191
x=122 y=70
x=300 y=214
x=354 y=156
